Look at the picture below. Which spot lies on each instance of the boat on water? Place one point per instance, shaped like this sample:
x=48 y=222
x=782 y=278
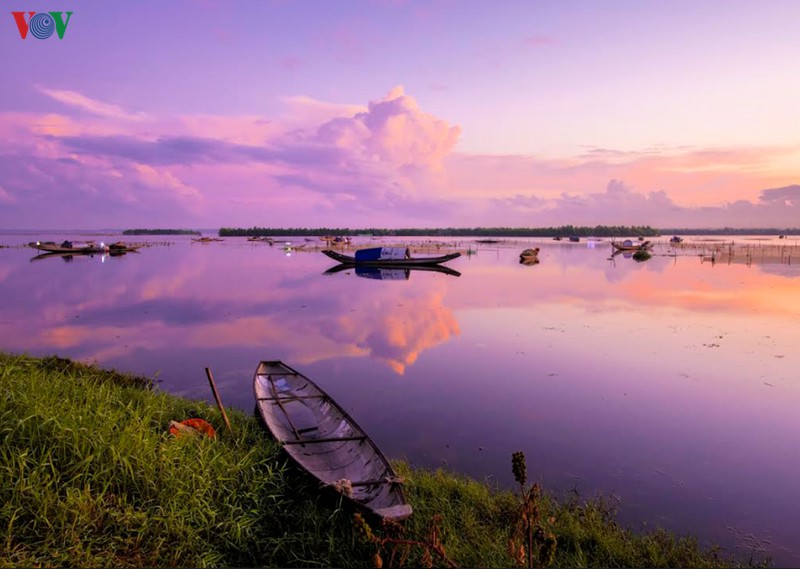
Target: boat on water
x=339 y=240
x=388 y=257
x=68 y=248
x=676 y=239
x=120 y=248
x=629 y=245
x=529 y=257
x=574 y=238
x=206 y=239
x=324 y=440
x=89 y=247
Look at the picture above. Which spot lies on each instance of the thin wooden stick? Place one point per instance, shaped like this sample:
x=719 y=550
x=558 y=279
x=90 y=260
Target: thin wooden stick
x=219 y=401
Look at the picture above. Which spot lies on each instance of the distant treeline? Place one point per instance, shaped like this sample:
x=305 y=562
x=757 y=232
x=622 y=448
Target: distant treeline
x=563 y=231
x=734 y=231
x=160 y=232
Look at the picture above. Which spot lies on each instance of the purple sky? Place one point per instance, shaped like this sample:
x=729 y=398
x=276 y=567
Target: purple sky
x=401 y=113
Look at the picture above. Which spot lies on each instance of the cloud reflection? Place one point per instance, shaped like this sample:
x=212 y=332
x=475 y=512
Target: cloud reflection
x=250 y=302
x=187 y=301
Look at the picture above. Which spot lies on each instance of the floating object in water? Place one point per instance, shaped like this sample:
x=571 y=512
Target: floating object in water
x=529 y=257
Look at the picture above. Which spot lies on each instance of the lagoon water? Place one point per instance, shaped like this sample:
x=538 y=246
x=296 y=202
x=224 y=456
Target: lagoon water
x=672 y=384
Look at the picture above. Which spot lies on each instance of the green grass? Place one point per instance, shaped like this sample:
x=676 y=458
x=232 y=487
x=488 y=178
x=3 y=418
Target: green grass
x=90 y=476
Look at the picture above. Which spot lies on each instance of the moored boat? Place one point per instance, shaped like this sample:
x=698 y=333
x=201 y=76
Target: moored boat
x=629 y=245
x=529 y=257
x=326 y=442
x=119 y=248
x=388 y=257
x=68 y=247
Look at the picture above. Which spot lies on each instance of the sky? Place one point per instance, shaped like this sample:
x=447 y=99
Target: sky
x=400 y=113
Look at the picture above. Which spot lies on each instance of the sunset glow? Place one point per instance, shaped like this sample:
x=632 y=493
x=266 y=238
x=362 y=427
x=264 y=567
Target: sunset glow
x=382 y=113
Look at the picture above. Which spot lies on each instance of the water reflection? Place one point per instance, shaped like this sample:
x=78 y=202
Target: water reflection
x=192 y=302
x=389 y=273
x=671 y=383
x=70 y=257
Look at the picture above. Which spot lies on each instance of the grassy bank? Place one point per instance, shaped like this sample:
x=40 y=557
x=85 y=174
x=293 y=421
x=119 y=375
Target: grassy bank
x=90 y=476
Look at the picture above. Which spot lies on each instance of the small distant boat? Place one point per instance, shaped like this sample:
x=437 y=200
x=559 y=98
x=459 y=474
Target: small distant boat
x=206 y=239
x=120 y=248
x=339 y=240
x=324 y=440
x=676 y=239
x=574 y=238
x=529 y=257
x=629 y=245
x=557 y=238
x=388 y=257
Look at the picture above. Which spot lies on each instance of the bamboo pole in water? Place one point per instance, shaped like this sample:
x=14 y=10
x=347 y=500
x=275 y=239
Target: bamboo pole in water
x=219 y=401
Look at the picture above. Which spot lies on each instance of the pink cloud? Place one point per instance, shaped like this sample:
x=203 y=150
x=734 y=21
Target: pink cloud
x=692 y=187
x=396 y=132
x=354 y=157
x=73 y=99
x=384 y=163
x=306 y=112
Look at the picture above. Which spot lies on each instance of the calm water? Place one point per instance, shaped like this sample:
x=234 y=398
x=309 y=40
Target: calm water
x=672 y=384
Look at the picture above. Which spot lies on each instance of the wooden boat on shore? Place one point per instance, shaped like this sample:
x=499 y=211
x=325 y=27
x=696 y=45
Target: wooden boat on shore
x=629 y=245
x=388 y=257
x=325 y=441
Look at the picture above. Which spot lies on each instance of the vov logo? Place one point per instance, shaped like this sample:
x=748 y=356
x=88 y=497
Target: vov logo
x=41 y=25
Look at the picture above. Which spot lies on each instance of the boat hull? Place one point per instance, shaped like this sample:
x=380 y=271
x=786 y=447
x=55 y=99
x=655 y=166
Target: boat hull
x=55 y=248
x=638 y=247
x=410 y=262
x=326 y=442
